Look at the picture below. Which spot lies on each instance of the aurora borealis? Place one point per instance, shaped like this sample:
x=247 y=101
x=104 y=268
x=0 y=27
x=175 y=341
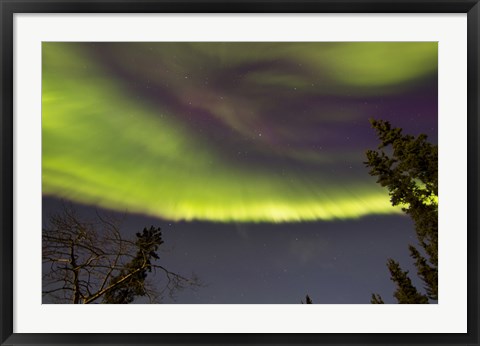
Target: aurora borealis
x=248 y=155
x=228 y=132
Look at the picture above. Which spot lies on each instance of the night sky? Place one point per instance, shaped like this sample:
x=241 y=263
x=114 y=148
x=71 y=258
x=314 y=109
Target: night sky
x=249 y=156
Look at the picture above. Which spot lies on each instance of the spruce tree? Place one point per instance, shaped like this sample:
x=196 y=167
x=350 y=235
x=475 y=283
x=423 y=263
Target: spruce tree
x=376 y=299
x=136 y=270
x=408 y=167
x=308 y=300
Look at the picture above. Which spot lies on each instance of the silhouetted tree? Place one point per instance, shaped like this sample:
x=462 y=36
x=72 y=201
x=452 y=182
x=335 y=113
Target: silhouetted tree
x=408 y=168
x=308 y=300
x=90 y=262
x=130 y=281
x=376 y=299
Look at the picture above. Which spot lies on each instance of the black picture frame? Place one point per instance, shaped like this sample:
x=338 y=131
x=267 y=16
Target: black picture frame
x=10 y=7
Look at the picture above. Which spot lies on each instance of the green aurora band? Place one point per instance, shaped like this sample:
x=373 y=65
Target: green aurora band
x=103 y=146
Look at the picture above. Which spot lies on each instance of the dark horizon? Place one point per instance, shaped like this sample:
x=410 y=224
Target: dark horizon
x=245 y=263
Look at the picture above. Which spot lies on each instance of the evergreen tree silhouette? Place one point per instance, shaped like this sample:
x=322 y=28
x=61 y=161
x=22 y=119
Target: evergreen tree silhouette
x=408 y=167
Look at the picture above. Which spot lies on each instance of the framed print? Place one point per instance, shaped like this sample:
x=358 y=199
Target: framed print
x=197 y=172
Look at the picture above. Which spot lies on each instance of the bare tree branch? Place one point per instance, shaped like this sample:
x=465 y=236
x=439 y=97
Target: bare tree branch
x=85 y=261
